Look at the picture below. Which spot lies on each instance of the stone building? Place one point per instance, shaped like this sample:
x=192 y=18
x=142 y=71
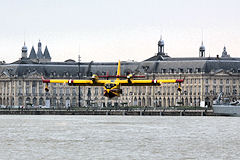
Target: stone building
x=205 y=77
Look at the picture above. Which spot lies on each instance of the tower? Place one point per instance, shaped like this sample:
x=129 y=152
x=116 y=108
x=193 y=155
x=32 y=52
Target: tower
x=224 y=53
x=202 y=50
x=160 y=46
x=39 y=52
x=24 y=51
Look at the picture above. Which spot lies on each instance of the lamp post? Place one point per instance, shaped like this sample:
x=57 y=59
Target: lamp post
x=79 y=88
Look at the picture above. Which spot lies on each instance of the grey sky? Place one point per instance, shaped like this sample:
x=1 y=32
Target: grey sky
x=108 y=30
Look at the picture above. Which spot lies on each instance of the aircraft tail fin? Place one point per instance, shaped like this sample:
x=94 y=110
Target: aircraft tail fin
x=118 y=70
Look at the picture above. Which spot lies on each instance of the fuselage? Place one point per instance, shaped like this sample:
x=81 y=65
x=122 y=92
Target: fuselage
x=112 y=89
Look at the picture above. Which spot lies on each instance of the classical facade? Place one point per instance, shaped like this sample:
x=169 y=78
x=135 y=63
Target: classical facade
x=205 y=77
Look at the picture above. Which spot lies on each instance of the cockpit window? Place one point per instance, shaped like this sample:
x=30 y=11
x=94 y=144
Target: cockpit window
x=109 y=85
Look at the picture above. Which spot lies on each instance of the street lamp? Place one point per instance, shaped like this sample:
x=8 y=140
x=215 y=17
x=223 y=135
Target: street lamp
x=79 y=88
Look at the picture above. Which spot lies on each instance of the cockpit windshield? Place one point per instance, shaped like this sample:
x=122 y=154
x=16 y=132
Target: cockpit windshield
x=109 y=85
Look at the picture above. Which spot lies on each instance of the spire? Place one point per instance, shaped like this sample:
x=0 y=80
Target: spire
x=46 y=54
x=32 y=54
x=202 y=50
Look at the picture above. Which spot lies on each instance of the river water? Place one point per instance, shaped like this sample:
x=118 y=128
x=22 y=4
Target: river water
x=44 y=137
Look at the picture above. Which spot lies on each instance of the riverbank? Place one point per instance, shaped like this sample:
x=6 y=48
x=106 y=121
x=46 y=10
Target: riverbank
x=108 y=112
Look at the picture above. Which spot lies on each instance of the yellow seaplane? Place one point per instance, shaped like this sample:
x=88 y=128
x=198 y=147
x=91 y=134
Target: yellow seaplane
x=112 y=88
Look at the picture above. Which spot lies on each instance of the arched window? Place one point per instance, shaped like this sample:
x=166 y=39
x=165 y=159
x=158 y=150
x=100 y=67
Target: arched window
x=160 y=102
x=34 y=101
x=168 y=101
x=186 y=102
x=61 y=102
x=164 y=102
x=41 y=101
x=20 y=101
x=74 y=102
x=28 y=101
x=143 y=102
x=172 y=104
x=149 y=102
x=135 y=101
x=139 y=101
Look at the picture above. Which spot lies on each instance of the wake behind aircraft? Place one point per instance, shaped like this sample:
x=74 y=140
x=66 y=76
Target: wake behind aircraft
x=112 y=88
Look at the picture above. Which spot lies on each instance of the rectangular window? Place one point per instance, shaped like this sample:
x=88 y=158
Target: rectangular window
x=180 y=70
x=234 y=81
x=214 y=89
x=74 y=91
x=227 y=90
x=221 y=81
x=214 y=81
x=54 y=90
x=220 y=88
x=163 y=70
x=171 y=70
x=96 y=91
x=189 y=70
x=150 y=90
x=33 y=90
x=27 y=90
x=40 y=90
x=198 y=70
x=61 y=91
x=227 y=81
x=234 y=90
x=34 y=84
x=67 y=91
x=20 y=90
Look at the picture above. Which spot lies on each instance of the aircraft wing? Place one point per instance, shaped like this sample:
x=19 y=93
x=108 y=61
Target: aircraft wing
x=148 y=82
x=76 y=82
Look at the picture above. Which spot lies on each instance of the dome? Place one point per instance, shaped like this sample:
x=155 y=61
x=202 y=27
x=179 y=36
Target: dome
x=24 y=48
x=161 y=43
x=202 y=47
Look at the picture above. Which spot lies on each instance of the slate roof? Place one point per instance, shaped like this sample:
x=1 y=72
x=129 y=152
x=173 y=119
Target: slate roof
x=33 y=54
x=25 y=67
x=39 y=54
x=46 y=54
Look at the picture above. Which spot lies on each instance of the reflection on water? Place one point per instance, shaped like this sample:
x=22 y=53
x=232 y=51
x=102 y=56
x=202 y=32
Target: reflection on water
x=118 y=137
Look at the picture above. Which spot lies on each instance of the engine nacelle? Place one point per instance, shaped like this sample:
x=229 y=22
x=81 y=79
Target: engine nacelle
x=46 y=87
x=94 y=78
x=129 y=78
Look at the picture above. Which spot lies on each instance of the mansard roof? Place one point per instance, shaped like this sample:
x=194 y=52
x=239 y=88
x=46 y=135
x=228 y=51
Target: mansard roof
x=25 y=67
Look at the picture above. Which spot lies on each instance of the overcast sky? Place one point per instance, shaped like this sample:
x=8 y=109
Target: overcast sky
x=108 y=30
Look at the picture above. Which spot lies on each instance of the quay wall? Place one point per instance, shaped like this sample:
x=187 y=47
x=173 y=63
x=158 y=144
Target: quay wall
x=111 y=112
